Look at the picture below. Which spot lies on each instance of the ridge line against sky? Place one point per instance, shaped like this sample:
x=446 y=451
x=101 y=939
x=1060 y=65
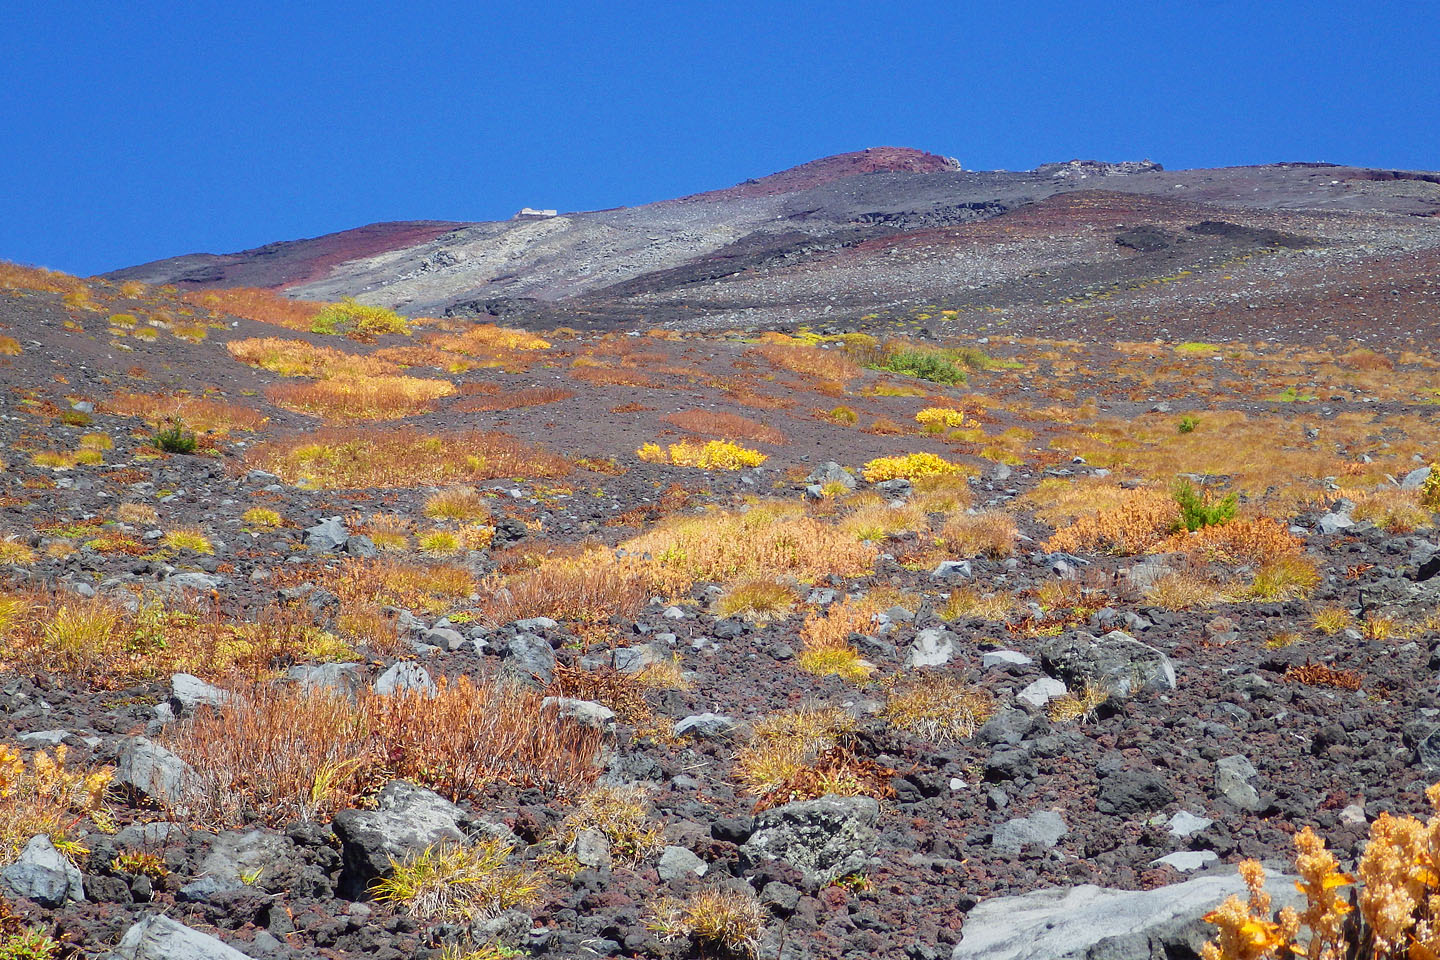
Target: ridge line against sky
x=149 y=130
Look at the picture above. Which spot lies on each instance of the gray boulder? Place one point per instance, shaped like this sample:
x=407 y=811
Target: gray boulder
x=1044 y=828
x=952 y=570
x=1094 y=923
x=529 y=660
x=1041 y=692
x=327 y=536
x=1333 y=522
x=1132 y=791
x=153 y=772
x=338 y=677
x=406 y=676
x=831 y=472
x=587 y=713
x=1415 y=479
x=931 y=648
x=1235 y=779
x=160 y=938
x=1124 y=665
x=406 y=819
x=704 y=726
x=676 y=862
x=235 y=854
x=188 y=692
x=824 y=839
x=44 y=875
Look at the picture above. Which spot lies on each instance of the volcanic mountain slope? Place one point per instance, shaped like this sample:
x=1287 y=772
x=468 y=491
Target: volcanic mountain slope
x=844 y=237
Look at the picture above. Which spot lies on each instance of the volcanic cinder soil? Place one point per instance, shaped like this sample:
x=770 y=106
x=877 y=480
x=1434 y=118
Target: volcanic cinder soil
x=786 y=571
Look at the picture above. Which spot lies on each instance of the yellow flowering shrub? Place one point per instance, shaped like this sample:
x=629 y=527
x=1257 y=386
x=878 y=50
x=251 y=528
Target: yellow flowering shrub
x=44 y=796
x=911 y=466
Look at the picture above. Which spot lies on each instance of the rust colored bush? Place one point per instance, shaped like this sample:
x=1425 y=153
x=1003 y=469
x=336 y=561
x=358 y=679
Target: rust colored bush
x=512 y=400
x=727 y=426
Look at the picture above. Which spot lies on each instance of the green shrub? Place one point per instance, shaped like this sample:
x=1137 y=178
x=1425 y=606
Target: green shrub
x=175 y=439
x=358 y=320
x=1197 y=511
x=1188 y=424
x=927 y=365
x=1430 y=490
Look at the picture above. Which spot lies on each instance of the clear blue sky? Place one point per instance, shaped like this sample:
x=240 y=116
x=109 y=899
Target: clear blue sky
x=136 y=130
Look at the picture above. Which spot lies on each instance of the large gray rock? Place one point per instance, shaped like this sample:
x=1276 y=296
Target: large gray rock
x=831 y=472
x=341 y=678
x=1094 y=923
x=407 y=676
x=44 y=875
x=529 y=660
x=188 y=692
x=1124 y=665
x=406 y=819
x=235 y=855
x=676 y=862
x=587 y=713
x=1043 y=828
x=327 y=536
x=824 y=839
x=160 y=938
x=932 y=648
x=153 y=772
x=1332 y=523
x=1235 y=780
x=704 y=726
x=1415 y=479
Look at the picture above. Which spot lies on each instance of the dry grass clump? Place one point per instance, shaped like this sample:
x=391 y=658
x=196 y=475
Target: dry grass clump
x=827 y=366
x=1395 y=886
x=805 y=753
x=828 y=649
x=400 y=457
x=591 y=588
x=354 y=398
x=200 y=414
x=16 y=552
x=910 y=466
x=989 y=533
x=942 y=492
x=489 y=340
x=768 y=540
x=45 y=796
x=712 y=455
x=462 y=504
x=105 y=644
x=512 y=400
x=299 y=358
x=187 y=538
x=762 y=599
x=459 y=883
x=878 y=521
x=728 y=426
x=262 y=517
x=361 y=322
x=10 y=347
x=622 y=815
x=969 y=603
x=433 y=588
x=1184 y=590
x=940 y=707
x=287 y=753
x=1332 y=620
x=1390 y=508
x=1125 y=522
x=1080 y=705
x=253 y=303
x=729 y=920
x=18 y=276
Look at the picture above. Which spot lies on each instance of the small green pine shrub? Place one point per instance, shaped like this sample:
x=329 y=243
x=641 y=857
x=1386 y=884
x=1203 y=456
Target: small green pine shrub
x=1188 y=424
x=1197 y=511
x=175 y=439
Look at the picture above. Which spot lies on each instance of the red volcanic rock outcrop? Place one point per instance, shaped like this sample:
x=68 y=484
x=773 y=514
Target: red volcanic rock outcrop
x=829 y=169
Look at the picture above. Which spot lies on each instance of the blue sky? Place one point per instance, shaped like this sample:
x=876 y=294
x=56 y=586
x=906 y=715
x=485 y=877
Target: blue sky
x=137 y=130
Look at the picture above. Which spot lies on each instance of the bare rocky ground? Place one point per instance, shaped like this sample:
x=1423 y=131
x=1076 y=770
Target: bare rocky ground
x=1115 y=315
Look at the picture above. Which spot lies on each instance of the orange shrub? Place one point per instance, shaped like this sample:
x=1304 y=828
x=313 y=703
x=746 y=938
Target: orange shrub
x=590 y=588
x=1138 y=520
x=253 y=303
x=15 y=276
x=824 y=365
x=300 y=358
x=512 y=400
x=197 y=413
x=401 y=457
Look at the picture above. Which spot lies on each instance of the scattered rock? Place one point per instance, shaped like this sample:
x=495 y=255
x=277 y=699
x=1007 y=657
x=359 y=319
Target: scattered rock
x=1043 y=828
x=153 y=772
x=44 y=875
x=406 y=819
x=931 y=648
x=677 y=862
x=160 y=938
x=1234 y=780
x=406 y=676
x=1124 y=665
x=704 y=726
x=824 y=839
x=327 y=536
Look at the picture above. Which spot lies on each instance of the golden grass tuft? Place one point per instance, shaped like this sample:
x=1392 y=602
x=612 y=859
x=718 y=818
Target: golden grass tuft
x=622 y=815
x=16 y=552
x=459 y=883
x=462 y=504
x=768 y=540
x=356 y=398
x=300 y=358
x=826 y=636
x=263 y=306
x=940 y=707
x=826 y=366
x=728 y=920
x=137 y=514
x=400 y=457
x=782 y=742
x=187 y=538
x=10 y=347
x=970 y=603
x=761 y=599
x=1123 y=522
x=989 y=533
x=591 y=587
x=17 y=276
